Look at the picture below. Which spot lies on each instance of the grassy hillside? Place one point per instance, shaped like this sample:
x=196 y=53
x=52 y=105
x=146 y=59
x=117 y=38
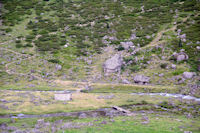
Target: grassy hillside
x=70 y=32
x=48 y=45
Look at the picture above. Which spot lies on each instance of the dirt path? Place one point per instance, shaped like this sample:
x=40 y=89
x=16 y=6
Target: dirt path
x=70 y=83
x=156 y=41
x=21 y=57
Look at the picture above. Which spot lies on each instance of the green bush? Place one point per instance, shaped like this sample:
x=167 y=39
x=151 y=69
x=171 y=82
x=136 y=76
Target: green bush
x=163 y=65
x=135 y=68
x=178 y=72
x=18 y=45
x=28 y=45
x=165 y=104
x=144 y=102
x=18 y=41
x=120 y=48
x=56 y=61
x=8 y=30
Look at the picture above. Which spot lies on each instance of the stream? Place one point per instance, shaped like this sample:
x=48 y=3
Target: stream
x=95 y=113
x=186 y=97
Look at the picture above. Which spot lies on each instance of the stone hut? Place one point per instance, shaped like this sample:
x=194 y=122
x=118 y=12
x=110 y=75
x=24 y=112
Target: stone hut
x=63 y=96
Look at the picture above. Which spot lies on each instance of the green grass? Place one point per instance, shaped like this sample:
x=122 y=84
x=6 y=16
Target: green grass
x=30 y=122
x=37 y=88
x=26 y=102
x=131 y=89
x=157 y=124
x=54 y=16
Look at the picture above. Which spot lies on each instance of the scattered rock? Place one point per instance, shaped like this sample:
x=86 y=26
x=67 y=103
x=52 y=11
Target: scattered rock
x=94 y=114
x=67 y=125
x=21 y=131
x=4 y=107
x=141 y=79
x=161 y=75
x=145 y=122
x=31 y=78
x=103 y=122
x=3 y=126
x=180 y=56
x=181 y=80
x=187 y=131
x=188 y=75
x=121 y=110
x=40 y=124
x=33 y=71
x=40 y=121
x=126 y=45
x=11 y=128
x=58 y=67
x=82 y=115
x=89 y=62
x=13 y=120
x=173 y=66
x=125 y=81
x=3 y=100
x=20 y=115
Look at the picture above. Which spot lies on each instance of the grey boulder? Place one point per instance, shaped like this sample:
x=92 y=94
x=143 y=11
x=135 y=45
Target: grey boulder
x=126 y=45
x=173 y=66
x=180 y=56
x=58 y=67
x=141 y=79
x=113 y=64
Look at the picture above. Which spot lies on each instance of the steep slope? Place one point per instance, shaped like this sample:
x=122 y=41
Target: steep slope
x=67 y=40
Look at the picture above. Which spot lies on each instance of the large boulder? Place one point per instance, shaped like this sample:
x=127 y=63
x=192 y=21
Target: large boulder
x=141 y=79
x=113 y=64
x=180 y=56
x=125 y=81
x=188 y=75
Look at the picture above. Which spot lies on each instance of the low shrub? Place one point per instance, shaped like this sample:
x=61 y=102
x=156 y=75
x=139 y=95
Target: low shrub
x=56 y=61
x=18 y=45
x=163 y=65
x=165 y=104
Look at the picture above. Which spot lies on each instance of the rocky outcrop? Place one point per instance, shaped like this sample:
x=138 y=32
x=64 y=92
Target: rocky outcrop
x=113 y=64
x=141 y=79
